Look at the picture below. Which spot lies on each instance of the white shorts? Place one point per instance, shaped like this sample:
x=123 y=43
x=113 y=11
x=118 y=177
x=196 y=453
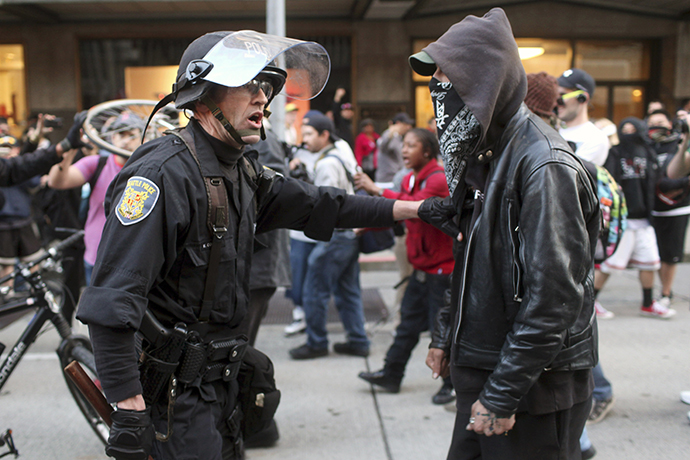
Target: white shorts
x=637 y=249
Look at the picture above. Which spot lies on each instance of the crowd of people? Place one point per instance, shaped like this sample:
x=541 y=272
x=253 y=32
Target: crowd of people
x=483 y=197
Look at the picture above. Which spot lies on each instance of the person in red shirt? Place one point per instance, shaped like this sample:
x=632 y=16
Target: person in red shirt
x=365 y=147
x=429 y=250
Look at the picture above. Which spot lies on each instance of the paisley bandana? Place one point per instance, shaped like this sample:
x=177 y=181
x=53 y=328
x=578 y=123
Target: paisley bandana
x=458 y=131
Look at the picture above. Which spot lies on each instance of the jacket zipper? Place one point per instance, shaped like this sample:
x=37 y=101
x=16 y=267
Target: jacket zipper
x=517 y=273
x=464 y=278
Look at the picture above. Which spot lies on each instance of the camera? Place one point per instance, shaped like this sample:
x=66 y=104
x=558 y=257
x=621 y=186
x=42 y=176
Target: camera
x=680 y=126
x=53 y=123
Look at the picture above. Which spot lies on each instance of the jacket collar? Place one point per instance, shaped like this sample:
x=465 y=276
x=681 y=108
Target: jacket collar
x=493 y=150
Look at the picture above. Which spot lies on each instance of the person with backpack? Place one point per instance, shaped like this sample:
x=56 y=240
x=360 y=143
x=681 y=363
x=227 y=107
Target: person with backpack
x=98 y=171
x=429 y=250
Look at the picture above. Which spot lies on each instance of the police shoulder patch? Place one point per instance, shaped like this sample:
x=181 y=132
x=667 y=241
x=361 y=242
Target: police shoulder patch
x=138 y=200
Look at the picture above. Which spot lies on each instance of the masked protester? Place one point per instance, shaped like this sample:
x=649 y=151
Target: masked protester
x=516 y=333
x=175 y=255
x=672 y=202
x=633 y=164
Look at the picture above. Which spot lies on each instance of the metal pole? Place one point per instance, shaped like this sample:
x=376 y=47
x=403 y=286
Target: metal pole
x=275 y=25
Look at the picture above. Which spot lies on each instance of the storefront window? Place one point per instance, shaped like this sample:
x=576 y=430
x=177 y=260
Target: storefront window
x=627 y=101
x=550 y=56
x=613 y=60
x=12 y=87
x=599 y=102
x=621 y=70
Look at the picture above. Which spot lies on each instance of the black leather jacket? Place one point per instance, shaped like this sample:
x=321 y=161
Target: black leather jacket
x=522 y=297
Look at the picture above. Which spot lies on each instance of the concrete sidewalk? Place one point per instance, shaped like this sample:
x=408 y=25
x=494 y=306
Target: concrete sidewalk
x=328 y=413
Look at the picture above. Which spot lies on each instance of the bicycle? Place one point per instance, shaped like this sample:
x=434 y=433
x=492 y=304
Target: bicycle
x=49 y=298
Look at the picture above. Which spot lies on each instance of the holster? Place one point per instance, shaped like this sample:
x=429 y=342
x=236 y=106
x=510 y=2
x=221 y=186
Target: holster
x=219 y=359
x=182 y=355
x=157 y=364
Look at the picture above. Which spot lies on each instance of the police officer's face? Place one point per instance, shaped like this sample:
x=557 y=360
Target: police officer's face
x=243 y=108
x=313 y=140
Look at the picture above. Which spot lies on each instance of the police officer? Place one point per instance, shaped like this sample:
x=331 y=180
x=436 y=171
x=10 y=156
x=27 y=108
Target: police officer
x=157 y=248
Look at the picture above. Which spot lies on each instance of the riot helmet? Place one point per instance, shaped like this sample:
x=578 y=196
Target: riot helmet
x=260 y=61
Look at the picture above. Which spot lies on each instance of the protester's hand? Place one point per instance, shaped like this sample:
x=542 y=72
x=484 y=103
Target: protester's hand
x=364 y=182
x=438 y=362
x=73 y=138
x=487 y=423
x=440 y=213
x=131 y=435
x=397 y=128
x=339 y=94
x=294 y=163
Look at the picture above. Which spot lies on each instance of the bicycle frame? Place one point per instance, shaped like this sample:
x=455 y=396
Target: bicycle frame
x=44 y=314
x=42 y=298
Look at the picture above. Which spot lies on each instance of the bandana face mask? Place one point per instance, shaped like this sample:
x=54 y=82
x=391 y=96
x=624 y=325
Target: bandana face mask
x=458 y=131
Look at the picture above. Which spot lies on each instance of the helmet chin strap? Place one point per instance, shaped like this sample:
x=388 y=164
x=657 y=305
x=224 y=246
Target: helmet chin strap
x=237 y=135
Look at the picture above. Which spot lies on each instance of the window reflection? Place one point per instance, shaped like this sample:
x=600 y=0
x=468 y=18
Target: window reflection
x=613 y=60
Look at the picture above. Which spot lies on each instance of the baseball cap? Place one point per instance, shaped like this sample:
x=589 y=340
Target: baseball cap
x=320 y=123
x=402 y=117
x=422 y=63
x=346 y=106
x=577 y=78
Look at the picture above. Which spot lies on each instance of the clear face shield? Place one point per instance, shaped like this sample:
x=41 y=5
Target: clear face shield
x=241 y=56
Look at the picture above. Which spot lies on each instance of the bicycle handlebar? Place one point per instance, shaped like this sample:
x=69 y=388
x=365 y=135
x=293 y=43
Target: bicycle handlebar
x=50 y=253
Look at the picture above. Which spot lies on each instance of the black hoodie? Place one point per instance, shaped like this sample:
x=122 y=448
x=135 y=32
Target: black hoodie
x=486 y=70
x=633 y=164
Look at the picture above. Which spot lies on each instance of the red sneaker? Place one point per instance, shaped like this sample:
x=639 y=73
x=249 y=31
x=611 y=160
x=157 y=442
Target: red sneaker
x=657 y=310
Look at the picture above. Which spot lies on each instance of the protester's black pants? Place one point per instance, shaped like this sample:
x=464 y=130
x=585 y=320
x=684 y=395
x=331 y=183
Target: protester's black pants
x=552 y=436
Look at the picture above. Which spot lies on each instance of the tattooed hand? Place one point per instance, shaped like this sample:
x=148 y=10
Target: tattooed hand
x=487 y=423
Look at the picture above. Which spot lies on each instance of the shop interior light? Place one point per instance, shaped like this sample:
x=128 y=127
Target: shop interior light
x=529 y=52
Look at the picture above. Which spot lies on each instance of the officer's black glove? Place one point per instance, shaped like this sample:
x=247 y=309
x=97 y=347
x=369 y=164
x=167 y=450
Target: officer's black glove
x=73 y=139
x=131 y=435
x=439 y=213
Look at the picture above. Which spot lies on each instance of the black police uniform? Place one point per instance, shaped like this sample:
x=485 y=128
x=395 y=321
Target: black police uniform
x=154 y=254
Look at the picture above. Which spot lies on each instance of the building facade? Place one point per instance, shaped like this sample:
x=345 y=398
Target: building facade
x=60 y=57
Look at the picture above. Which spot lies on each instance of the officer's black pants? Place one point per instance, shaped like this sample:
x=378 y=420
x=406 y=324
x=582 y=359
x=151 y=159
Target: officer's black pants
x=202 y=428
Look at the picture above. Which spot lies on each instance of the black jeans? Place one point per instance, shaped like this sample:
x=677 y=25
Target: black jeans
x=551 y=436
x=420 y=304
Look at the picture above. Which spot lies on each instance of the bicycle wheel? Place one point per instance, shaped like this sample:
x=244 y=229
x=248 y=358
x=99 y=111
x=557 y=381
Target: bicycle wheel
x=78 y=348
x=117 y=126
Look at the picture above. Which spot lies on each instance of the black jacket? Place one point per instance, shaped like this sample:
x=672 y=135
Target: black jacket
x=522 y=298
x=160 y=261
x=523 y=292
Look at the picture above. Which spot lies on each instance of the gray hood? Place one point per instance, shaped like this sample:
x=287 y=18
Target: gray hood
x=480 y=57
